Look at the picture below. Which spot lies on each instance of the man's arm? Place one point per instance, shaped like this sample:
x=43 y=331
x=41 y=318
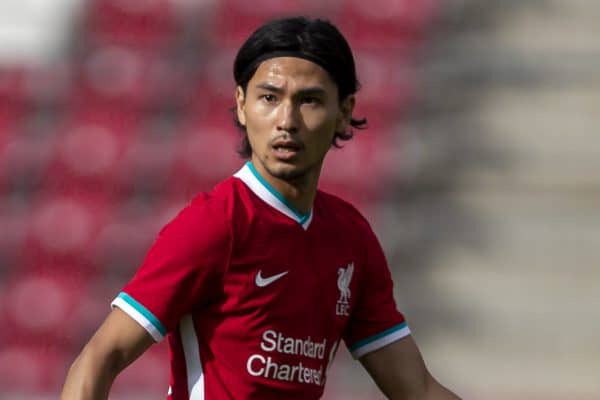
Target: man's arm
x=399 y=371
x=117 y=343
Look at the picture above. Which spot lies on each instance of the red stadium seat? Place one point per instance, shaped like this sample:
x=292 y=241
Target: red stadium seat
x=13 y=88
x=349 y=172
x=386 y=23
x=213 y=93
x=13 y=230
x=206 y=155
x=23 y=87
x=146 y=23
x=147 y=163
x=63 y=228
x=23 y=160
x=124 y=238
x=8 y=121
x=7 y=134
x=109 y=75
x=88 y=153
x=124 y=78
x=48 y=84
x=387 y=82
x=43 y=307
x=235 y=20
x=13 y=99
x=31 y=371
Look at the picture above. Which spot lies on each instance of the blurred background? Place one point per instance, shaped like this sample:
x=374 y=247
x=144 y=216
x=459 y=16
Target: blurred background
x=480 y=173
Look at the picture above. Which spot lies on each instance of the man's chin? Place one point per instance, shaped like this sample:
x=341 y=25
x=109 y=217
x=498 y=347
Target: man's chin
x=286 y=171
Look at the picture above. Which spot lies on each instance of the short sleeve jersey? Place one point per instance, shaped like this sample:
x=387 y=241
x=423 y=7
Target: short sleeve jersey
x=255 y=297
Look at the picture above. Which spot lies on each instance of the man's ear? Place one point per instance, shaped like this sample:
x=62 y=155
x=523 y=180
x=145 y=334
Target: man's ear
x=240 y=99
x=345 y=116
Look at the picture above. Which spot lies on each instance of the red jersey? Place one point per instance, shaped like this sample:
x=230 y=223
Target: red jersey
x=255 y=296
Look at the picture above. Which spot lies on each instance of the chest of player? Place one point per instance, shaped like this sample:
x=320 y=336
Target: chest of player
x=294 y=280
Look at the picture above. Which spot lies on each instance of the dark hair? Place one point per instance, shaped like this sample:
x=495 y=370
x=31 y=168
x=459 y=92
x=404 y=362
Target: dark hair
x=314 y=39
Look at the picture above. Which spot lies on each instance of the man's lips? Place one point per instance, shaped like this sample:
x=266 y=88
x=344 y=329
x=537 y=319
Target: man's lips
x=286 y=149
x=286 y=145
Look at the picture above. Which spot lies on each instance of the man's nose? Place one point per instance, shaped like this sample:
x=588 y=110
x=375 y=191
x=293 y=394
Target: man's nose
x=288 y=118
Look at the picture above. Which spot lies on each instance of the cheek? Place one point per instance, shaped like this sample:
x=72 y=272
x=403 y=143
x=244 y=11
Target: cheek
x=258 y=129
x=315 y=119
x=323 y=127
x=259 y=118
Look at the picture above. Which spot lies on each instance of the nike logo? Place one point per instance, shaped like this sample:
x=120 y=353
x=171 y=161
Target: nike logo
x=262 y=282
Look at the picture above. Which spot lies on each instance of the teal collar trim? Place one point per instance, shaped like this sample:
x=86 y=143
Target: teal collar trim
x=263 y=189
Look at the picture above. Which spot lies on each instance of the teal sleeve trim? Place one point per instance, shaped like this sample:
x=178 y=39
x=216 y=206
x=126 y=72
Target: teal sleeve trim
x=144 y=311
x=378 y=336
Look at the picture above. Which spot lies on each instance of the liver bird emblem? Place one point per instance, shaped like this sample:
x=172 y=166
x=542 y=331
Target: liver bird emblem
x=343 y=282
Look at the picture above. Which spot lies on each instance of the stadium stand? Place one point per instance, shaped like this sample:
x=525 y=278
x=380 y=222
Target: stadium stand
x=99 y=151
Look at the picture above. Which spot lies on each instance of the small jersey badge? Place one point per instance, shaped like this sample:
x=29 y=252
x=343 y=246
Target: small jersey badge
x=343 y=283
x=262 y=282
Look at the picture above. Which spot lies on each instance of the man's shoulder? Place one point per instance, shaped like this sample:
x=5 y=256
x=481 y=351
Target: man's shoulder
x=222 y=201
x=222 y=192
x=334 y=207
x=212 y=202
x=206 y=213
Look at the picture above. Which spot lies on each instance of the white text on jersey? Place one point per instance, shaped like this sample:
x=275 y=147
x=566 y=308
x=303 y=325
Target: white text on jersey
x=277 y=343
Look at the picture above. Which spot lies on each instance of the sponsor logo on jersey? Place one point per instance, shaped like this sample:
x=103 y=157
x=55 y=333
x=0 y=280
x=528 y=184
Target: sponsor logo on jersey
x=262 y=282
x=343 y=283
x=265 y=363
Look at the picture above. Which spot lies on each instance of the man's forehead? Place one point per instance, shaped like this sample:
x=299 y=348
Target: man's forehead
x=280 y=71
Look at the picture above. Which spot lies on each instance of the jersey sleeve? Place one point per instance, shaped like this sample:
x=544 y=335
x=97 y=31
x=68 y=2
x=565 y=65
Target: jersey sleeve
x=376 y=321
x=182 y=269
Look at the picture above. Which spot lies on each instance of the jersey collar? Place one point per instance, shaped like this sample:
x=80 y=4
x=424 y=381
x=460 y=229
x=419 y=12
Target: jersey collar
x=263 y=189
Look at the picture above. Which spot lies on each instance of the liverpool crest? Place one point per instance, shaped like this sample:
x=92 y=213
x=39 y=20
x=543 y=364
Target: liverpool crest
x=343 y=283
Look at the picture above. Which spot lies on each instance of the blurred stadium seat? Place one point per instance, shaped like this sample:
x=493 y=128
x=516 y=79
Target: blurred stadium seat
x=61 y=230
x=212 y=93
x=89 y=151
x=387 y=83
x=23 y=160
x=43 y=307
x=126 y=78
x=146 y=23
x=349 y=172
x=124 y=237
x=13 y=230
x=13 y=89
x=398 y=24
x=146 y=164
x=200 y=163
x=8 y=119
x=29 y=371
x=235 y=20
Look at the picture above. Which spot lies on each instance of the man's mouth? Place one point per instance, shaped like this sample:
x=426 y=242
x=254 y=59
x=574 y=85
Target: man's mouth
x=286 y=150
x=286 y=145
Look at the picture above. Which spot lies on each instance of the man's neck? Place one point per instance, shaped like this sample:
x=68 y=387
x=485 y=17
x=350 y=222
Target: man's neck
x=299 y=192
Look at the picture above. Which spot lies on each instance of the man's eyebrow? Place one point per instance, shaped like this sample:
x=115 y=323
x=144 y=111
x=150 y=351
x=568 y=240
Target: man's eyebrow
x=314 y=90
x=311 y=90
x=270 y=87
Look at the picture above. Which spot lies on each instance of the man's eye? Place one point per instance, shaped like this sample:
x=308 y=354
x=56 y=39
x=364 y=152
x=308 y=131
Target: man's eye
x=269 y=98
x=311 y=100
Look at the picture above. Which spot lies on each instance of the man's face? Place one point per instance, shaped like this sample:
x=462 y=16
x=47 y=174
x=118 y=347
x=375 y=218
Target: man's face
x=291 y=112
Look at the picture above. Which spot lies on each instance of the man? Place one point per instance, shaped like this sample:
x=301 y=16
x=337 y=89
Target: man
x=256 y=283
